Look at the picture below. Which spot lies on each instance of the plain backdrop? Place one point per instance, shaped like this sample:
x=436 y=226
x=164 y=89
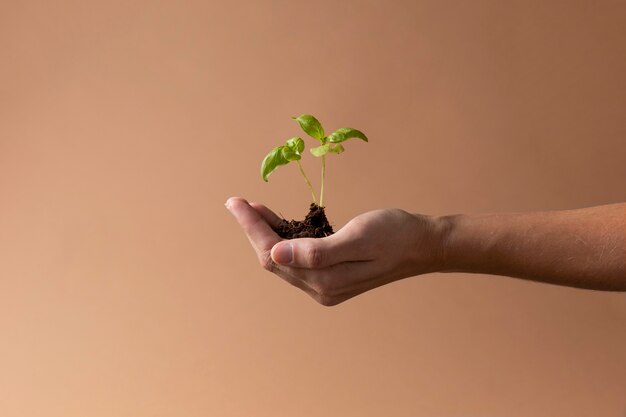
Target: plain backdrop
x=127 y=290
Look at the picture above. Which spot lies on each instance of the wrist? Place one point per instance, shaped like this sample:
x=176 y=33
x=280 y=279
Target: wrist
x=471 y=243
x=429 y=249
x=450 y=229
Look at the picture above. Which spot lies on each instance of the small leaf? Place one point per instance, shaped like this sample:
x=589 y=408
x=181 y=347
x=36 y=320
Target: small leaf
x=290 y=155
x=320 y=150
x=337 y=148
x=296 y=145
x=273 y=160
x=311 y=126
x=345 y=133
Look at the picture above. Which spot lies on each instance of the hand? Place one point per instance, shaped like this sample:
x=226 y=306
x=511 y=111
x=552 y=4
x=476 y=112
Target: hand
x=373 y=249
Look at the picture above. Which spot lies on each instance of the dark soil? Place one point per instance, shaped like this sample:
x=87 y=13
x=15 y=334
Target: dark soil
x=315 y=224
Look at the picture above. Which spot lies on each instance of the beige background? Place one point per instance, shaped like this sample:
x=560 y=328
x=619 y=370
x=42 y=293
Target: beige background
x=126 y=289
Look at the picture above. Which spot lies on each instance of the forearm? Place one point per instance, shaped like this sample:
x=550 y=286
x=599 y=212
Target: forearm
x=583 y=248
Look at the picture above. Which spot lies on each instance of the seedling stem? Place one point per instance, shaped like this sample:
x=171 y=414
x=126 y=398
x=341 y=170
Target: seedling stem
x=306 y=179
x=323 y=176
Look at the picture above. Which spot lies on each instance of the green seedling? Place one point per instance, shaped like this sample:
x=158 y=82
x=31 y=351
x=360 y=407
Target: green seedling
x=293 y=148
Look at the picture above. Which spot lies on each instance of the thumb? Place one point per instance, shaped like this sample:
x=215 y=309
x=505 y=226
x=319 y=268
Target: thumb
x=306 y=253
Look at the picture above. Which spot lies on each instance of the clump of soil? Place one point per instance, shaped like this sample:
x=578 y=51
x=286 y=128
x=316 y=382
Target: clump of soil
x=315 y=224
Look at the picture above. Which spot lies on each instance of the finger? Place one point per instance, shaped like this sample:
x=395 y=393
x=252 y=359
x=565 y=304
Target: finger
x=337 y=283
x=269 y=216
x=259 y=232
x=344 y=246
x=296 y=281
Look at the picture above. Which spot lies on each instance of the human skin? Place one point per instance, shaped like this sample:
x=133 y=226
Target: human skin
x=584 y=248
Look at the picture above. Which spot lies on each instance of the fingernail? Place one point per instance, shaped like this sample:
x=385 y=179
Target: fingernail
x=227 y=204
x=283 y=253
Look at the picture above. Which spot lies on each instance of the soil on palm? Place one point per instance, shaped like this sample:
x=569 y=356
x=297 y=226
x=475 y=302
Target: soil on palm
x=315 y=224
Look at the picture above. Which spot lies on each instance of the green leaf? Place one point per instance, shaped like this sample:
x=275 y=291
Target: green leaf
x=320 y=150
x=337 y=148
x=345 y=133
x=296 y=145
x=311 y=126
x=273 y=160
x=290 y=155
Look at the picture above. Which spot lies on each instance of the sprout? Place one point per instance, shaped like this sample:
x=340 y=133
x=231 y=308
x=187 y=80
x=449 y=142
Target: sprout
x=293 y=148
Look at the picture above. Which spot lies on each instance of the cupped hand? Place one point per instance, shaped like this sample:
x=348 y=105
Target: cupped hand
x=373 y=249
